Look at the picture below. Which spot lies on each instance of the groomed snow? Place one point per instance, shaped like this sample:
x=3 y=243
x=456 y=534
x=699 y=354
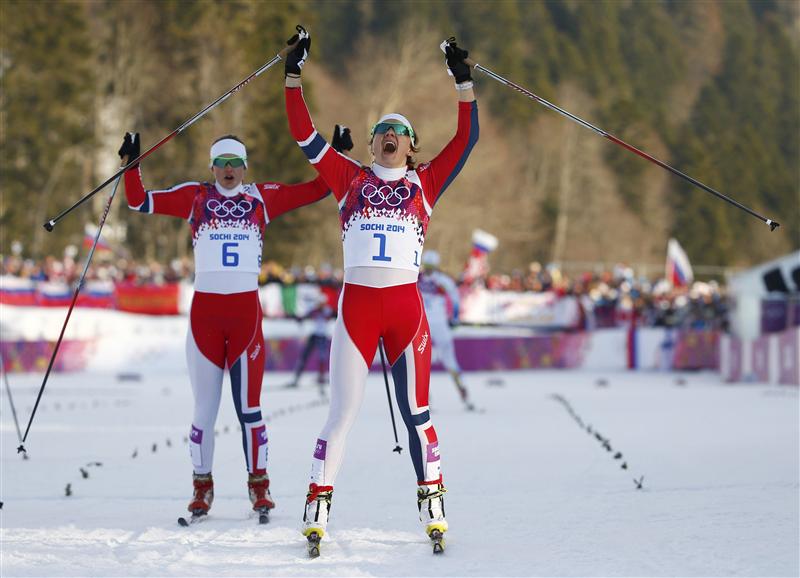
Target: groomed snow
x=530 y=492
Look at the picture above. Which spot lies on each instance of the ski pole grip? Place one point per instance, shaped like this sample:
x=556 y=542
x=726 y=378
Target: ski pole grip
x=285 y=51
x=49 y=225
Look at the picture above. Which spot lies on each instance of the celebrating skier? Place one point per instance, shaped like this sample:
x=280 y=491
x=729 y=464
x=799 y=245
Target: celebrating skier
x=228 y=219
x=437 y=288
x=384 y=211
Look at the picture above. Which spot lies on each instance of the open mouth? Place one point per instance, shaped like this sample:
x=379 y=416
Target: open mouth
x=389 y=147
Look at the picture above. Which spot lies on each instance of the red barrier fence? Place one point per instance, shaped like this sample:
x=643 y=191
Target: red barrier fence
x=147 y=299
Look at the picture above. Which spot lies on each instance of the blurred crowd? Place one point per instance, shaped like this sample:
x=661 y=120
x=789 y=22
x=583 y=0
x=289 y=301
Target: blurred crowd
x=104 y=268
x=612 y=297
x=121 y=270
x=606 y=298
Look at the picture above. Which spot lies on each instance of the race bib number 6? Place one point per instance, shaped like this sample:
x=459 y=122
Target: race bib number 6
x=228 y=251
x=230 y=258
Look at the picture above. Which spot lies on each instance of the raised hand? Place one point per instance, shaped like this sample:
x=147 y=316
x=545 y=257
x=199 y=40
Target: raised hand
x=341 y=141
x=455 y=58
x=130 y=148
x=296 y=57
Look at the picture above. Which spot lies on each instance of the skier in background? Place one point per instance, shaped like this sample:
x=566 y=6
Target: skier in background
x=316 y=340
x=228 y=219
x=437 y=288
x=384 y=210
x=342 y=142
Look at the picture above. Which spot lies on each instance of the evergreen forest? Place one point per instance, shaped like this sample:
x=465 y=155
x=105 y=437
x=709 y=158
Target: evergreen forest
x=710 y=87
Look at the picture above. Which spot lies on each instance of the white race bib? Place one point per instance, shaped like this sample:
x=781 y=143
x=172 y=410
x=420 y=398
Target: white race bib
x=231 y=248
x=382 y=242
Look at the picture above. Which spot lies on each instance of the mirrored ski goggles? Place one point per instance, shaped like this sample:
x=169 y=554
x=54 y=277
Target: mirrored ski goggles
x=399 y=129
x=234 y=162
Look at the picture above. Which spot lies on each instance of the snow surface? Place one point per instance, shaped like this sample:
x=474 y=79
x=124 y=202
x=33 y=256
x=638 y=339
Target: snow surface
x=531 y=493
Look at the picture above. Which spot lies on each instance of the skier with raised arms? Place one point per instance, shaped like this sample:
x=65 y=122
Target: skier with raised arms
x=384 y=211
x=228 y=220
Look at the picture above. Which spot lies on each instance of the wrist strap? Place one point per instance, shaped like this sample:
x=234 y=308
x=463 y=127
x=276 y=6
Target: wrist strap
x=464 y=85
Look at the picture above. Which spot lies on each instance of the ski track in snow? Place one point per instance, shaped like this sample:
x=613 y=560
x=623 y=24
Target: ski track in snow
x=530 y=492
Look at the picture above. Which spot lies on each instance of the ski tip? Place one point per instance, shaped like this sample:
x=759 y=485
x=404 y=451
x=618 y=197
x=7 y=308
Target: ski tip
x=197 y=516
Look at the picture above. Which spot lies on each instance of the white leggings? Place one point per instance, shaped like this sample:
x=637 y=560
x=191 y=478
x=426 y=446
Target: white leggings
x=367 y=314
x=225 y=331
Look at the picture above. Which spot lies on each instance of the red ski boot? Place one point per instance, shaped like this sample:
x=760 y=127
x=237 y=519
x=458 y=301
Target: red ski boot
x=258 y=488
x=203 y=494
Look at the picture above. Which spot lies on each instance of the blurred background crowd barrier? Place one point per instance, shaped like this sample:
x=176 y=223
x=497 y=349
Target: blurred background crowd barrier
x=747 y=330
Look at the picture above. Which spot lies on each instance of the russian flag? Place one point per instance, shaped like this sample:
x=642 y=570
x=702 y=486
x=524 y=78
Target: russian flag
x=17 y=291
x=477 y=265
x=53 y=294
x=678 y=270
x=89 y=234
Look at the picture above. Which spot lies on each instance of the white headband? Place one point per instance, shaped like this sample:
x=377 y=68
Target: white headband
x=401 y=119
x=228 y=146
x=395 y=116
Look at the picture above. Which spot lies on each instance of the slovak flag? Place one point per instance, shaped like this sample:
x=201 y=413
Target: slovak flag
x=679 y=270
x=477 y=265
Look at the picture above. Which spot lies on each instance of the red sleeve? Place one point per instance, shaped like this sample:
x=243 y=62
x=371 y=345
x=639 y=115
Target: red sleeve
x=176 y=201
x=280 y=199
x=134 y=189
x=337 y=170
x=440 y=172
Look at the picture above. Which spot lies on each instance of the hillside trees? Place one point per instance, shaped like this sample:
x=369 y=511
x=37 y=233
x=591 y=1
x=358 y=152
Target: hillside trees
x=712 y=88
x=46 y=119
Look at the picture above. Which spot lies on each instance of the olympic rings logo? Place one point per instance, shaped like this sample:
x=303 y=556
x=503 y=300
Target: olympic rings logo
x=385 y=194
x=229 y=208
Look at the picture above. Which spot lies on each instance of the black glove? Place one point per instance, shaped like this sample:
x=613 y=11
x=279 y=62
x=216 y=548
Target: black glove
x=130 y=147
x=341 y=140
x=454 y=57
x=297 y=57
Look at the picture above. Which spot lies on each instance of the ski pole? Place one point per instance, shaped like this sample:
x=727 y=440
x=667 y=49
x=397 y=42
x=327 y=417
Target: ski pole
x=772 y=224
x=52 y=222
x=397 y=447
x=10 y=399
x=21 y=447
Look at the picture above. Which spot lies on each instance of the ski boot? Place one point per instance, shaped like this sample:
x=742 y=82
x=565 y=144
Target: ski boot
x=430 y=500
x=315 y=516
x=201 y=500
x=258 y=488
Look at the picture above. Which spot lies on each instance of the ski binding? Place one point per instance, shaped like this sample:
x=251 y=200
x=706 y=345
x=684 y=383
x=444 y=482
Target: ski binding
x=313 y=544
